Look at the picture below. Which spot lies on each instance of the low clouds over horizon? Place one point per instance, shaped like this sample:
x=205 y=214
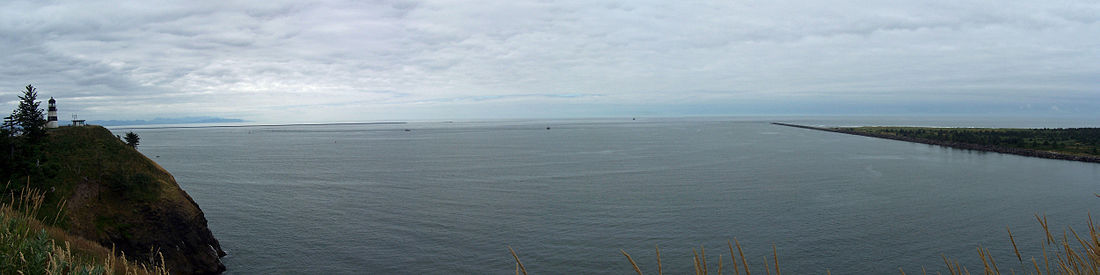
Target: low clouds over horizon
x=274 y=61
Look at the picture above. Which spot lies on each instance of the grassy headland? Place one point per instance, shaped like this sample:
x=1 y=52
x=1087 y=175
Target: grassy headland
x=95 y=187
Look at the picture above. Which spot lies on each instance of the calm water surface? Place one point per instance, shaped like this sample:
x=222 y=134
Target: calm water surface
x=449 y=198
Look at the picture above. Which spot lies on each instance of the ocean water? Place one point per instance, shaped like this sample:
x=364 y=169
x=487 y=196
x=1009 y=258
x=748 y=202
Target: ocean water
x=450 y=198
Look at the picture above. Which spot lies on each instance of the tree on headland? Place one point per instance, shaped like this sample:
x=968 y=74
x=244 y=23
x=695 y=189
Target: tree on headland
x=23 y=134
x=132 y=139
x=30 y=118
x=7 y=147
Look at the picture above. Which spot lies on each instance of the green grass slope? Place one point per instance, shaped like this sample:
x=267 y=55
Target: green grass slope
x=101 y=189
x=30 y=246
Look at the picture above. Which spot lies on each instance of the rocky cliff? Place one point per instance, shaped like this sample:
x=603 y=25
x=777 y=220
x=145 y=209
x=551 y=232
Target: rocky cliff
x=116 y=196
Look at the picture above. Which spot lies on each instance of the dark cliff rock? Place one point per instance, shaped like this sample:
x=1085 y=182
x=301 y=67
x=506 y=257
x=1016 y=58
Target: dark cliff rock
x=119 y=198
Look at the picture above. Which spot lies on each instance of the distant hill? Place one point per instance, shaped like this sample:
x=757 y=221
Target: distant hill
x=161 y=120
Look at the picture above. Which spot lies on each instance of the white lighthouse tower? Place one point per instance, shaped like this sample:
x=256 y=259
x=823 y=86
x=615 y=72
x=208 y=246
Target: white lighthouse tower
x=51 y=117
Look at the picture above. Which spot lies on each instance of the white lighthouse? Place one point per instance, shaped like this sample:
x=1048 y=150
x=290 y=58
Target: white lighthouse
x=51 y=118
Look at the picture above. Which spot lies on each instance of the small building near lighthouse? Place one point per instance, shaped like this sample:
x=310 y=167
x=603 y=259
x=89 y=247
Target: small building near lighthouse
x=51 y=118
x=78 y=122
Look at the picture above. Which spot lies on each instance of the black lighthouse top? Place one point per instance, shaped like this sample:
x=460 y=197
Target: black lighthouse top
x=52 y=101
x=53 y=107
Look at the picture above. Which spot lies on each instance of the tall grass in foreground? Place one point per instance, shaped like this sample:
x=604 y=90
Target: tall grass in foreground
x=30 y=246
x=1060 y=255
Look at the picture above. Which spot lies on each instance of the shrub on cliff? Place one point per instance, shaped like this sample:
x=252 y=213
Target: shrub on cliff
x=132 y=139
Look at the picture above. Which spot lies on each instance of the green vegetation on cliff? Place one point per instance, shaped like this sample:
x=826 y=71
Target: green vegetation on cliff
x=31 y=246
x=98 y=188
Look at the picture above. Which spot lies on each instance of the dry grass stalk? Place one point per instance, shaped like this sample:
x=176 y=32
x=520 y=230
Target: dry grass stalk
x=695 y=260
x=744 y=263
x=775 y=255
x=988 y=261
x=993 y=262
x=767 y=270
x=719 y=264
x=1013 y=240
x=703 y=257
x=1036 y=263
x=60 y=206
x=514 y=256
x=659 y=271
x=985 y=263
x=632 y=263
x=1046 y=260
x=948 y=263
x=733 y=259
x=1043 y=223
x=1085 y=248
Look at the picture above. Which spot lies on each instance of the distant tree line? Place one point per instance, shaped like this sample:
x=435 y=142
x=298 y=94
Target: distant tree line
x=1073 y=140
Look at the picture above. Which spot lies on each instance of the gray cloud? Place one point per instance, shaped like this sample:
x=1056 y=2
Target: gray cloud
x=370 y=60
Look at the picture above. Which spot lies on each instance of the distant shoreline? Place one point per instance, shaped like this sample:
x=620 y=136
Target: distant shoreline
x=258 y=125
x=957 y=145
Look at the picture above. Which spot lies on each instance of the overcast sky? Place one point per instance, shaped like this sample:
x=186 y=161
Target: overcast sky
x=334 y=61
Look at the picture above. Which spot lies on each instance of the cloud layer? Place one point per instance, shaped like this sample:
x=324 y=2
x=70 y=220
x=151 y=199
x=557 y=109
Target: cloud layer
x=290 y=61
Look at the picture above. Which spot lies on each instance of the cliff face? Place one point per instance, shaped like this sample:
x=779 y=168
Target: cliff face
x=116 y=196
